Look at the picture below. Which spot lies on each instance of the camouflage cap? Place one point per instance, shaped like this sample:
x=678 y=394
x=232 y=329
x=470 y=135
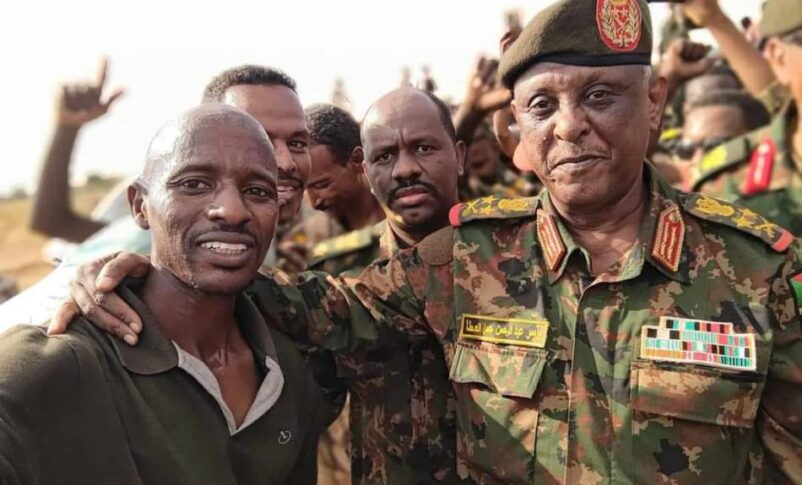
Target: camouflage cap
x=582 y=33
x=780 y=17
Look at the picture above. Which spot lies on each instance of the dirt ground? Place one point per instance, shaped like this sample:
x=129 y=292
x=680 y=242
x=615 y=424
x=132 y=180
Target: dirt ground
x=20 y=248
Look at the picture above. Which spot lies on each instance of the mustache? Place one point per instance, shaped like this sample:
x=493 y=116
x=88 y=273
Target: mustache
x=239 y=229
x=410 y=183
x=284 y=175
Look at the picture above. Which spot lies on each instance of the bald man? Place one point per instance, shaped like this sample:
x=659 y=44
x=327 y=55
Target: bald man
x=211 y=395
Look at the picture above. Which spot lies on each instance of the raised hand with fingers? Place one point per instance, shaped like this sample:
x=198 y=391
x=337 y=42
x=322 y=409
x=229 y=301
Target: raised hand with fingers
x=483 y=93
x=80 y=103
x=92 y=295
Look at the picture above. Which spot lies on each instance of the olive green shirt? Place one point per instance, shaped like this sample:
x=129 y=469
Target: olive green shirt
x=85 y=408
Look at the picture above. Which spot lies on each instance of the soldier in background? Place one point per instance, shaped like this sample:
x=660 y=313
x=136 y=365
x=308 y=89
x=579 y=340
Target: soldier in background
x=337 y=191
x=712 y=120
x=763 y=170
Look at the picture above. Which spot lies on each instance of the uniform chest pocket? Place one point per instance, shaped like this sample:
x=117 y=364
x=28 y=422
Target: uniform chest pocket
x=497 y=412
x=693 y=423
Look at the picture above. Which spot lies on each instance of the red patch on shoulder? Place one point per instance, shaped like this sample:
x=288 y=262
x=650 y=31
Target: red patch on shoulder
x=454 y=215
x=758 y=175
x=619 y=23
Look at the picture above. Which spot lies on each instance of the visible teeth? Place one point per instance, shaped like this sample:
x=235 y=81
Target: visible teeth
x=224 y=248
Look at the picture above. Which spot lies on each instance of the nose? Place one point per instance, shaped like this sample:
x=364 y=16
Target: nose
x=229 y=207
x=314 y=199
x=571 y=124
x=284 y=159
x=406 y=167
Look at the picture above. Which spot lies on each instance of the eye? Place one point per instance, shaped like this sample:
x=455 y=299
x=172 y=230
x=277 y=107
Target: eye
x=424 y=149
x=194 y=185
x=297 y=145
x=541 y=105
x=382 y=157
x=599 y=95
x=259 y=192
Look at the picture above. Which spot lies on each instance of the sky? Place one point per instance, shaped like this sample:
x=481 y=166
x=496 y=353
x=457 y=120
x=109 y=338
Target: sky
x=163 y=52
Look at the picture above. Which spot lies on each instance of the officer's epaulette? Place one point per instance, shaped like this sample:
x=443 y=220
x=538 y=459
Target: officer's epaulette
x=343 y=244
x=729 y=154
x=722 y=157
x=740 y=218
x=491 y=207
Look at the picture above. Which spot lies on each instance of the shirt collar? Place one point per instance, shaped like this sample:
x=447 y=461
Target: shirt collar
x=155 y=354
x=661 y=242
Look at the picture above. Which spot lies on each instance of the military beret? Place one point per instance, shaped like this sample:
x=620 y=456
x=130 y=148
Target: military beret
x=780 y=17
x=582 y=33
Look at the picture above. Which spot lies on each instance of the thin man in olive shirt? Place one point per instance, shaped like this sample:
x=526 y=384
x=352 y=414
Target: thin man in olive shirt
x=211 y=395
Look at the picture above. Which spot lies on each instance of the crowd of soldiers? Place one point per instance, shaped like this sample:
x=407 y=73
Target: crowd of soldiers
x=588 y=271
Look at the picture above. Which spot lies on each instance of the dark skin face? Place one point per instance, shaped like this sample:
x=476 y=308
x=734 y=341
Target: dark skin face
x=210 y=203
x=585 y=130
x=411 y=163
x=483 y=158
x=333 y=185
x=280 y=112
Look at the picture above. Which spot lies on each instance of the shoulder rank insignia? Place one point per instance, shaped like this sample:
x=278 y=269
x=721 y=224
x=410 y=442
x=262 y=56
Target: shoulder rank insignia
x=761 y=164
x=550 y=239
x=668 y=238
x=713 y=344
x=344 y=244
x=491 y=207
x=739 y=218
x=719 y=158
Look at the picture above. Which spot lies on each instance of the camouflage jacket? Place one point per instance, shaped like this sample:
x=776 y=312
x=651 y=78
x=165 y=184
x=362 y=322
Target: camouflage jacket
x=402 y=415
x=758 y=172
x=681 y=364
x=353 y=251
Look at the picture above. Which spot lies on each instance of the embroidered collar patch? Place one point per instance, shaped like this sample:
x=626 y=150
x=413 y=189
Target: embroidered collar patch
x=668 y=238
x=550 y=240
x=702 y=342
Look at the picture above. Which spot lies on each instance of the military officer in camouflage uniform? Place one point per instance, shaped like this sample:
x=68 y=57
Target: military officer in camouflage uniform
x=763 y=170
x=612 y=330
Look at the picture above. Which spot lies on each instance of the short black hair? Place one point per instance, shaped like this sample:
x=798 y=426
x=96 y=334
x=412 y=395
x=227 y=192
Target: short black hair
x=753 y=112
x=723 y=69
x=445 y=114
x=248 y=74
x=334 y=128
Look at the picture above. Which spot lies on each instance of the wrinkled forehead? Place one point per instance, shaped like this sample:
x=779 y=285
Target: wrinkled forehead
x=566 y=77
x=223 y=145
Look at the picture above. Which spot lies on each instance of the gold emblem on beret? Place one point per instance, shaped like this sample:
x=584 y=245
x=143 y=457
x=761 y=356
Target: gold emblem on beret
x=619 y=23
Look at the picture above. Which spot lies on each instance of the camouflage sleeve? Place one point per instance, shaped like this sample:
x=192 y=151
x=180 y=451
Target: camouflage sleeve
x=347 y=313
x=780 y=419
